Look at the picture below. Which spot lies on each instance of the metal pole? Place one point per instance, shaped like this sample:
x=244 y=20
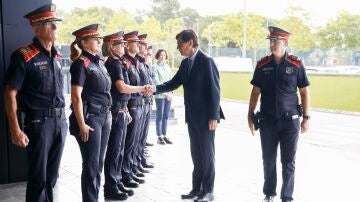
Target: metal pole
x=244 y=38
x=209 y=44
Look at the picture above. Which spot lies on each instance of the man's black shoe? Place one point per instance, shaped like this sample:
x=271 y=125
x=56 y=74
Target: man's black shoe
x=149 y=144
x=141 y=169
x=268 y=198
x=205 y=197
x=286 y=200
x=130 y=183
x=137 y=173
x=138 y=180
x=146 y=164
x=191 y=195
x=122 y=188
x=115 y=194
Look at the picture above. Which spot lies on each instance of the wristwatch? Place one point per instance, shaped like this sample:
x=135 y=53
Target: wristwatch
x=307 y=117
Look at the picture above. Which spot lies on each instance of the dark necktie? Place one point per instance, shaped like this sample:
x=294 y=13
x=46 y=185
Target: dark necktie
x=188 y=66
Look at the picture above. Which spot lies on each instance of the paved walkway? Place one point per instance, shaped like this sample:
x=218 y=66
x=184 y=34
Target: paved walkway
x=328 y=162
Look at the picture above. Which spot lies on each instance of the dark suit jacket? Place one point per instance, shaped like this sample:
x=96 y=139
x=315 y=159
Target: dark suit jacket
x=201 y=89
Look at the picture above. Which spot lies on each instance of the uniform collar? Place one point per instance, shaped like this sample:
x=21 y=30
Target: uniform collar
x=94 y=58
x=284 y=58
x=140 y=58
x=38 y=45
x=133 y=60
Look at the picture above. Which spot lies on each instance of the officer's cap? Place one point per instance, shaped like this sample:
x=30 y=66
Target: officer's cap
x=131 y=36
x=117 y=38
x=45 y=13
x=87 y=31
x=142 y=38
x=277 y=33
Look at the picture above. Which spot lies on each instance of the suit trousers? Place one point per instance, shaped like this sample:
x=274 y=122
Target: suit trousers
x=202 y=149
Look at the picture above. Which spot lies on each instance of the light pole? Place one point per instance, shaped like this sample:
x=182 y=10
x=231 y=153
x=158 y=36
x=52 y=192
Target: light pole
x=244 y=32
x=209 y=44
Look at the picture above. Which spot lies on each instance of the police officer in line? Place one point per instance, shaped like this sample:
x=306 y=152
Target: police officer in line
x=146 y=75
x=277 y=78
x=113 y=48
x=34 y=75
x=90 y=121
x=135 y=105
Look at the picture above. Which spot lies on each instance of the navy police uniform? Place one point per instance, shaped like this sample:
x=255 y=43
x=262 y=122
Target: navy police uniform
x=135 y=104
x=115 y=150
x=36 y=75
x=89 y=72
x=145 y=78
x=280 y=110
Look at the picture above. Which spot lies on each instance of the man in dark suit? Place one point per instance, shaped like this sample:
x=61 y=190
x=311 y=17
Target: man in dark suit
x=200 y=79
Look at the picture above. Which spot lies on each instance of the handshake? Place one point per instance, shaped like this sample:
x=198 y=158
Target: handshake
x=148 y=90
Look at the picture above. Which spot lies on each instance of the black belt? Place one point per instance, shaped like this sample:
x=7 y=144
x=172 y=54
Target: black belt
x=136 y=102
x=117 y=106
x=97 y=109
x=52 y=112
x=147 y=100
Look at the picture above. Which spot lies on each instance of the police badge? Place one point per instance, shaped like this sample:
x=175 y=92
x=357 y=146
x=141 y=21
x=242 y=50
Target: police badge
x=289 y=70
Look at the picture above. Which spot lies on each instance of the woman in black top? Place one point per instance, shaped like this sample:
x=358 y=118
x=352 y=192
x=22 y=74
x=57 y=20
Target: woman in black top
x=113 y=48
x=90 y=121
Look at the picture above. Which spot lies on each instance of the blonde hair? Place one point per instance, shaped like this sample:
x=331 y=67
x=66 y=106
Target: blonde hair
x=106 y=49
x=75 y=50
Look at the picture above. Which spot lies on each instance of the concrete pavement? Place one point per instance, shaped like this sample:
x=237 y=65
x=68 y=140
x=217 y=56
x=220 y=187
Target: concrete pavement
x=327 y=166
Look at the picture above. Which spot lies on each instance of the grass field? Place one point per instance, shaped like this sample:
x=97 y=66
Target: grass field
x=327 y=92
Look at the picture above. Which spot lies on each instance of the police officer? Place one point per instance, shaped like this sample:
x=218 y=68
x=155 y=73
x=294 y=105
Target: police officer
x=35 y=75
x=113 y=48
x=146 y=78
x=277 y=78
x=90 y=121
x=135 y=104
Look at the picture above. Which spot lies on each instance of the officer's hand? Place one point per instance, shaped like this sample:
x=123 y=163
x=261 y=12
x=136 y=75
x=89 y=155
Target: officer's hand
x=20 y=139
x=304 y=126
x=84 y=132
x=212 y=124
x=251 y=125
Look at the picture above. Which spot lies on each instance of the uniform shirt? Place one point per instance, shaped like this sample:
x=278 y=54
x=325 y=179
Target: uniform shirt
x=132 y=66
x=117 y=72
x=278 y=84
x=162 y=74
x=89 y=72
x=145 y=72
x=36 y=74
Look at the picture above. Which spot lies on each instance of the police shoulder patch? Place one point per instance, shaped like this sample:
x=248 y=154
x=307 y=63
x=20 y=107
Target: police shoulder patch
x=85 y=60
x=295 y=60
x=126 y=62
x=263 y=61
x=28 y=52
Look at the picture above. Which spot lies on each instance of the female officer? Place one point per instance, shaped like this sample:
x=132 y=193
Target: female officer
x=90 y=121
x=113 y=48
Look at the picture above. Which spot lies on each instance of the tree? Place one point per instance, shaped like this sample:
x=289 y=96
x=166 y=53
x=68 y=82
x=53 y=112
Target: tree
x=302 y=36
x=343 y=32
x=164 y=10
x=190 y=17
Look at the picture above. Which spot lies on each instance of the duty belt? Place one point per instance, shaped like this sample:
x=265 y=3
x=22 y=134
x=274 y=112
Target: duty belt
x=52 y=112
x=136 y=102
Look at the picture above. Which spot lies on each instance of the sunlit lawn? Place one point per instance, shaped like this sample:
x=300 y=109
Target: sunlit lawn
x=327 y=92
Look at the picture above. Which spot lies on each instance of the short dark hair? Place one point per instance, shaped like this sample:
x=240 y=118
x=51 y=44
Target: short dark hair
x=157 y=55
x=187 y=35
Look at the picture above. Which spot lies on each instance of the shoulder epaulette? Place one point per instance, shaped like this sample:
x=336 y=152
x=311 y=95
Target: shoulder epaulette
x=28 y=52
x=86 y=60
x=263 y=61
x=58 y=55
x=126 y=62
x=295 y=60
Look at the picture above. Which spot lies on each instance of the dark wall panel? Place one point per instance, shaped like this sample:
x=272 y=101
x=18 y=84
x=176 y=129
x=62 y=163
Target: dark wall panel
x=16 y=32
x=3 y=136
